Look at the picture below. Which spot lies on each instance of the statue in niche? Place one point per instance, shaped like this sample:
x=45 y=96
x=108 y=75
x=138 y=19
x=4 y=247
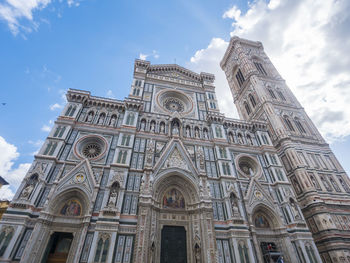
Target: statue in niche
x=197 y=253
x=112 y=121
x=231 y=137
x=234 y=204
x=143 y=125
x=205 y=134
x=101 y=119
x=175 y=129
x=29 y=187
x=250 y=140
x=113 y=194
x=153 y=126
x=162 y=127
x=196 y=133
x=295 y=208
x=90 y=116
x=188 y=132
x=240 y=139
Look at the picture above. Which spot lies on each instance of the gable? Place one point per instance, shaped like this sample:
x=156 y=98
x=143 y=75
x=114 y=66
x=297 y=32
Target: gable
x=175 y=156
x=80 y=176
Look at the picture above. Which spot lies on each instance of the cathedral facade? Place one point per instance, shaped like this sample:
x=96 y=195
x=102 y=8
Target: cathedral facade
x=164 y=176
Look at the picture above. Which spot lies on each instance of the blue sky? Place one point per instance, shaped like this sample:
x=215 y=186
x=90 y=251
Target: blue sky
x=50 y=46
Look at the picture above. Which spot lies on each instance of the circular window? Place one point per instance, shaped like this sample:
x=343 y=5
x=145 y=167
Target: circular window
x=91 y=147
x=248 y=166
x=174 y=104
x=91 y=150
x=174 y=101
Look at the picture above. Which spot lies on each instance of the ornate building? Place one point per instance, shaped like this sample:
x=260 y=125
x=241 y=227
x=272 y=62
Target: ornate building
x=163 y=176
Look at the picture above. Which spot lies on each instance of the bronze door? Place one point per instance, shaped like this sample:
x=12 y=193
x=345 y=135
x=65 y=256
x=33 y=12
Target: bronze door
x=173 y=246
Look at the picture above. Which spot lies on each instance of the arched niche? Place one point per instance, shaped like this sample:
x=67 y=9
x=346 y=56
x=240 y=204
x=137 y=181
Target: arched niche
x=263 y=217
x=181 y=183
x=69 y=197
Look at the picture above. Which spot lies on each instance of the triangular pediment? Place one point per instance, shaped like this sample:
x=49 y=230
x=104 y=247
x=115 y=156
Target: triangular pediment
x=174 y=71
x=256 y=194
x=175 y=155
x=81 y=176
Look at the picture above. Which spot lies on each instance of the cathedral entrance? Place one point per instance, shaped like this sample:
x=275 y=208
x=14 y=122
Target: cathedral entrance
x=173 y=245
x=58 y=248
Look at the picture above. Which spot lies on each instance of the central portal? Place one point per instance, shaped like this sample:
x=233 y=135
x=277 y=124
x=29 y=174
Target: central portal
x=173 y=246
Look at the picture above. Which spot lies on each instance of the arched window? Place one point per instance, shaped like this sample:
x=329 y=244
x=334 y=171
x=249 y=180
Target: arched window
x=122 y=156
x=252 y=100
x=50 y=148
x=102 y=249
x=240 y=78
x=130 y=119
x=218 y=132
x=68 y=110
x=250 y=140
x=326 y=183
x=243 y=252
x=272 y=94
x=335 y=185
x=288 y=123
x=73 y=111
x=280 y=94
x=299 y=125
x=5 y=238
x=247 y=108
x=310 y=253
x=260 y=68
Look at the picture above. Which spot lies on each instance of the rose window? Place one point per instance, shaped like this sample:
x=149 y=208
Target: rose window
x=174 y=101
x=248 y=166
x=92 y=150
x=91 y=147
x=174 y=104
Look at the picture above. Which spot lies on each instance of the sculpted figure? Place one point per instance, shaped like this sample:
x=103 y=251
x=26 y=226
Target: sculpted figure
x=112 y=121
x=162 y=127
x=175 y=130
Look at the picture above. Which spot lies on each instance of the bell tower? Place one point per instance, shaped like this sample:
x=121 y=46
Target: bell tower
x=319 y=181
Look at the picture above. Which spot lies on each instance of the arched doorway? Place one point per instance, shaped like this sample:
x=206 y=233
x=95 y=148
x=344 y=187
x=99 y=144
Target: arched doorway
x=178 y=219
x=269 y=236
x=64 y=230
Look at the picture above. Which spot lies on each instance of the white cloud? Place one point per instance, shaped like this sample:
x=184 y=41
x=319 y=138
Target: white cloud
x=143 y=56
x=56 y=106
x=233 y=13
x=154 y=54
x=47 y=127
x=13 y=176
x=12 y=11
x=308 y=42
x=18 y=14
x=207 y=60
x=110 y=94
